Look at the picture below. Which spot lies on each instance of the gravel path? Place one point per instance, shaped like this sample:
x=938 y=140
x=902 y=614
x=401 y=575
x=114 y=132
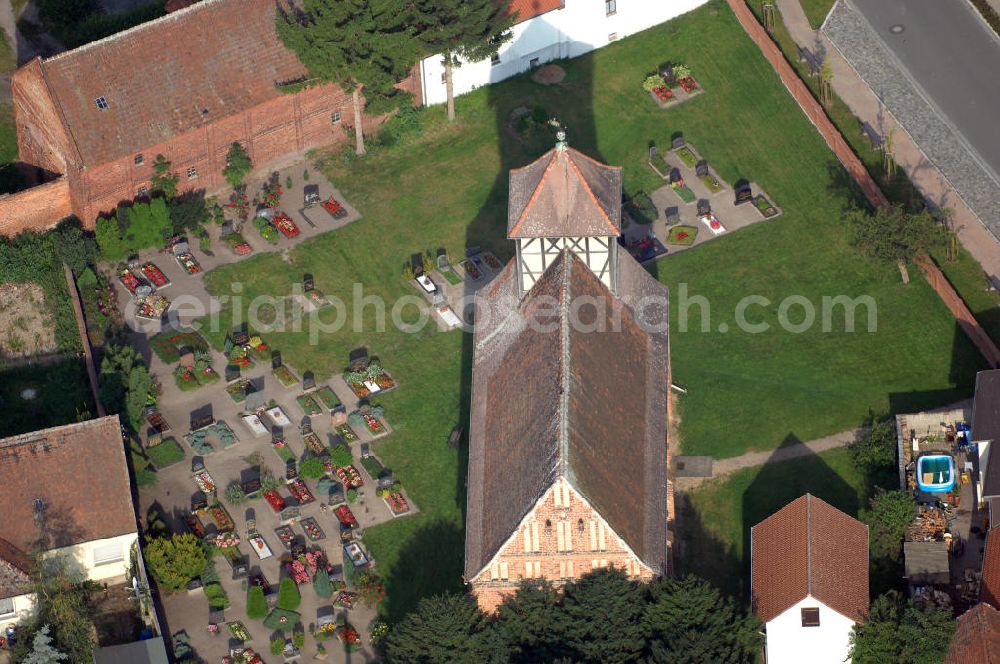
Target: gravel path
x=854 y=37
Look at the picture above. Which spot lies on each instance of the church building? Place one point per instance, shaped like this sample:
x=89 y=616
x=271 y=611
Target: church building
x=569 y=455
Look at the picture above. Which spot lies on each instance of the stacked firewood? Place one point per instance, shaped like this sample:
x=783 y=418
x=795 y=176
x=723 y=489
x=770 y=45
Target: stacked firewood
x=929 y=525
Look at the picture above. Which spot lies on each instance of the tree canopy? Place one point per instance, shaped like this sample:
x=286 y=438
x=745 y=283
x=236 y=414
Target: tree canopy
x=61 y=623
x=238 y=165
x=126 y=386
x=893 y=234
x=174 y=561
x=891 y=512
x=898 y=631
x=164 y=180
x=603 y=616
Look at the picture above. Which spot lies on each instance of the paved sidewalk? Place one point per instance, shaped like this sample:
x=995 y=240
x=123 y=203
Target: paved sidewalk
x=724 y=467
x=866 y=105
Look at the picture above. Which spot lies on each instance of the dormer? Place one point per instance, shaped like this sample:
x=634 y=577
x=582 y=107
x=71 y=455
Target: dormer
x=565 y=200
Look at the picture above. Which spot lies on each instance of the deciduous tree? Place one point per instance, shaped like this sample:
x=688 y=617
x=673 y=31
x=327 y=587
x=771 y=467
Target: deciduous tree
x=892 y=234
x=164 y=180
x=470 y=30
x=174 y=561
x=898 y=631
x=891 y=512
x=357 y=44
x=238 y=165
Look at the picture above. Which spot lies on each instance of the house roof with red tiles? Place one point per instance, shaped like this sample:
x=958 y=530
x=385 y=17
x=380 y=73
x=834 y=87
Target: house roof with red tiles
x=559 y=399
x=564 y=193
x=529 y=9
x=809 y=548
x=989 y=588
x=977 y=637
x=15 y=570
x=141 y=87
x=65 y=486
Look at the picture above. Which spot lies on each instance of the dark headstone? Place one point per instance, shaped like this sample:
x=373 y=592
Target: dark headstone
x=232 y=373
x=704 y=207
x=675 y=175
x=241 y=569
x=673 y=215
x=308 y=380
x=358 y=359
x=226 y=230
x=677 y=141
x=701 y=169
x=201 y=420
x=199 y=501
x=291 y=470
x=275 y=359
x=743 y=196
x=652 y=152
x=241 y=338
x=417 y=264
x=308 y=283
x=251 y=486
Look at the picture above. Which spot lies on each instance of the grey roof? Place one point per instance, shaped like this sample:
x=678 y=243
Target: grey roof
x=564 y=193
x=986 y=426
x=150 y=651
x=926 y=562
x=569 y=402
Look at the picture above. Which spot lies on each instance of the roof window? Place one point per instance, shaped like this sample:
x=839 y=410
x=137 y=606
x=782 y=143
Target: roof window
x=102 y=103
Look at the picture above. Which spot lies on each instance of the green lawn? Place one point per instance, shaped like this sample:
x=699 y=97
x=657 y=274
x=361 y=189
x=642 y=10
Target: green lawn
x=167 y=453
x=61 y=396
x=816 y=11
x=715 y=523
x=446 y=188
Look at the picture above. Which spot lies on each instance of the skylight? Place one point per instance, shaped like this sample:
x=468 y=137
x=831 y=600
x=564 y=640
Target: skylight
x=102 y=103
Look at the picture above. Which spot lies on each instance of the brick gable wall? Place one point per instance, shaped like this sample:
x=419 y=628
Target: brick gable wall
x=541 y=533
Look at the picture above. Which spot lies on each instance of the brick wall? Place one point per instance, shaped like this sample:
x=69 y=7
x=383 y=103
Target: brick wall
x=591 y=544
x=37 y=208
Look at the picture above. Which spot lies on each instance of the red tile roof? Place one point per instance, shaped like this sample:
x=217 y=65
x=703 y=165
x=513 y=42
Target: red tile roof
x=170 y=76
x=15 y=570
x=72 y=479
x=564 y=193
x=977 y=637
x=528 y=9
x=809 y=548
x=989 y=589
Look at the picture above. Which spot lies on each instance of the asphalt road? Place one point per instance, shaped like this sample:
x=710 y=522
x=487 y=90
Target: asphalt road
x=953 y=57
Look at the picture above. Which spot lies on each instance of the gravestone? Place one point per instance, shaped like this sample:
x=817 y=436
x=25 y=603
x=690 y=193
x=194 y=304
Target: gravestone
x=232 y=373
x=308 y=283
x=673 y=215
x=417 y=264
x=336 y=439
x=358 y=359
x=241 y=569
x=701 y=169
x=275 y=359
x=442 y=263
x=298 y=549
x=704 y=207
x=255 y=401
x=199 y=501
x=201 y=420
x=308 y=381
x=338 y=416
x=226 y=230
x=251 y=486
x=187 y=360
x=291 y=470
x=677 y=141
x=241 y=338
x=652 y=151
x=289 y=514
x=675 y=175
x=743 y=195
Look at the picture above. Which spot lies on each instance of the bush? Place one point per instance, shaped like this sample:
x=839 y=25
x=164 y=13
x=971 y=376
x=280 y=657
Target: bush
x=652 y=82
x=298 y=638
x=891 y=512
x=352 y=495
x=878 y=448
x=372 y=467
x=235 y=494
x=322 y=585
x=216 y=596
x=341 y=456
x=312 y=467
x=277 y=645
x=176 y=560
x=288 y=595
x=256 y=603
x=238 y=165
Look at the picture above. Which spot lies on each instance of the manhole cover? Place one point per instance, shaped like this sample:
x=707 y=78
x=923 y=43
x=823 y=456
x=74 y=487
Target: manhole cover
x=897 y=29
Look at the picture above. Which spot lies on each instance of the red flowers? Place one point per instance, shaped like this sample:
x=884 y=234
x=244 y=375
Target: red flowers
x=276 y=502
x=663 y=93
x=688 y=84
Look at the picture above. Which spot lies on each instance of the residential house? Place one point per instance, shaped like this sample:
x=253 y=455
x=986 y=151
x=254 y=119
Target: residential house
x=989 y=585
x=66 y=495
x=569 y=457
x=977 y=637
x=187 y=85
x=809 y=581
x=547 y=30
x=986 y=430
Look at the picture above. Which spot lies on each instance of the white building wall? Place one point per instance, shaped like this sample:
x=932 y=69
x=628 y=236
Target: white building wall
x=788 y=642
x=79 y=562
x=578 y=28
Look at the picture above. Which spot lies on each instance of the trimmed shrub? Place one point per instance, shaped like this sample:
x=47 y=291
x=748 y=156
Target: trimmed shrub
x=256 y=604
x=341 y=456
x=216 y=596
x=288 y=595
x=322 y=585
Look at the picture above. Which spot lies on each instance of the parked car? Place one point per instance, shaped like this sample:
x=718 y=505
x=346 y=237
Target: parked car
x=311 y=195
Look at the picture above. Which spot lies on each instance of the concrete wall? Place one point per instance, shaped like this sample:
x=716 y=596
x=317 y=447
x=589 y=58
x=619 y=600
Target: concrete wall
x=23 y=606
x=548 y=540
x=788 y=642
x=579 y=27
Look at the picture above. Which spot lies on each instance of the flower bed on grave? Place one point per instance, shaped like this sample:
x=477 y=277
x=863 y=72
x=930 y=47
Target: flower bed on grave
x=266 y=230
x=334 y=208
x=281 y=448
x=100 y=306
x=370 y=381
x=274 y=500
x=129 y=280
x=396 y=503
x=471 y=270
x=687 y=156
x=282 y=619
x=712 y=183
x=285 y=376
x=683 y=191
x=369 y=418
x=313 y=443
x=312 y=529
x=682 y=235
x=688 y=84
x=346 y=432
x=239 y=631
x=155 y=275
x=285 y=224
x=764 y=206
x=286 y=536
x=308 y=404
x=350 y=476
x=152 y=306
x=300 y=492
x=188 y=262
x=373 y=467
x=238 y=244
x=327 y=396
x=349 y=637
x=220 y=517
x=239 y=390
x=226 y=540
x=167 y=344
x=346 y=516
